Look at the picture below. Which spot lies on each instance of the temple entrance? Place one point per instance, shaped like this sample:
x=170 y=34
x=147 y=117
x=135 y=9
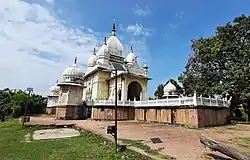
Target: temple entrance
x=134 y=91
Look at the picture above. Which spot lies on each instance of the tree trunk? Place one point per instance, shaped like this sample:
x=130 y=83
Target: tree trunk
x=2 y=117
x=248 y=114
x=247 y=111
x=217 y=146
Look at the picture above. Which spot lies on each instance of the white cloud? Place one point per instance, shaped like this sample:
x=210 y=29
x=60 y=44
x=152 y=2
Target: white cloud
x=137 y=38
x=141 y=49
x=137 y=30
x=172 y=25
x=50 y=1
x=36 y=47
x=180 y=14
x=141 y=11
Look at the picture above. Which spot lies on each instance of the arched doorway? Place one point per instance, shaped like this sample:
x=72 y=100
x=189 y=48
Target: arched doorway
x=134 y=91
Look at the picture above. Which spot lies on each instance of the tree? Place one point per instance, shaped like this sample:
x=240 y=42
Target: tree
x=159 y=91
x=13 y=102
x=221 y=63
x=5 y=103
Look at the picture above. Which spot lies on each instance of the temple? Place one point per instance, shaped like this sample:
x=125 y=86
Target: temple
x=91 y=94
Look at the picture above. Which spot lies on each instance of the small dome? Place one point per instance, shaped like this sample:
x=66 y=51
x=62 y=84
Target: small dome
x=131 y=58
x=92 y=60
x=72 y=73
x=114 y=45
x=169 y=88
x=103 y=51
x=54 y=90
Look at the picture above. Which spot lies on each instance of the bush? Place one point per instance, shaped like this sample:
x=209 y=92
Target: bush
x=239 y=114
x=16 y=111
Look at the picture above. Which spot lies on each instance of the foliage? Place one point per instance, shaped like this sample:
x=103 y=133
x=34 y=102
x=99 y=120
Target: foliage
x=17 y=110
x=14 y=101
x=221 y=63
x=84 y=147
x=160 y=89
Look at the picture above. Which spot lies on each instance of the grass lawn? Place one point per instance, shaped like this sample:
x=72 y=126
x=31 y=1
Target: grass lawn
x=85 y=147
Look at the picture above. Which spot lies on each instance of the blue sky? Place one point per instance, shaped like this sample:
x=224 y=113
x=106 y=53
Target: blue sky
x=160 y=32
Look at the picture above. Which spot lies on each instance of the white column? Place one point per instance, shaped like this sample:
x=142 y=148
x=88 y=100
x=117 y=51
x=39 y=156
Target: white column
x=92 y=111
x=195 y=98
x=217 y=103
x=145 y=97
x=201 y=100
x=125 y=91
x=210 y=101
x=179 y=100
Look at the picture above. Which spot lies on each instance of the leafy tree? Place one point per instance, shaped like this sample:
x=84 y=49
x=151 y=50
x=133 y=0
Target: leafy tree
x=13 y=102
x=159 y=91
x=221 y=63
x=5 y=103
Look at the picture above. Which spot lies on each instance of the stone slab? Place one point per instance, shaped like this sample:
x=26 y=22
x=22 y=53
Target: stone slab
x=55 y=133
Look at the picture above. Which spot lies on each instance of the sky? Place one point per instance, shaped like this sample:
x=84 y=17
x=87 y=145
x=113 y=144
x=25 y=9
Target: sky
x=40 y=38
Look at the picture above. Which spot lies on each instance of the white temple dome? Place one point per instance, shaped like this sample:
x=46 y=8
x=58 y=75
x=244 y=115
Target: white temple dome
x=72 y=73
x=103 y=51
x=131 y=58
x=114 y=45
x=92 y=60
x=54 y=90
x=169 y=87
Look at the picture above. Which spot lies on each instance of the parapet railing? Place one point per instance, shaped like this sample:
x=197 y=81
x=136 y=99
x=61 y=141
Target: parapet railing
x=181 y=101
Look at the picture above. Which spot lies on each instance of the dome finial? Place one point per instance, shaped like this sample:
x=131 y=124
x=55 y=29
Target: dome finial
x=131 y=49
x=94 y=52
x=75 y=60
x=113 y=29
x=57 y=81
x=105 y=40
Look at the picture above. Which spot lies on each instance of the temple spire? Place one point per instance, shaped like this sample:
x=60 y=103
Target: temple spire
x=75 y=60
x=94 y=52
x=131 y=49
x=105 y=40
x=113 y=30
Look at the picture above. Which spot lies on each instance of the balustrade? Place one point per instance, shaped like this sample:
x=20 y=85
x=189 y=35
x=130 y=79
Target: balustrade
x=181 y=101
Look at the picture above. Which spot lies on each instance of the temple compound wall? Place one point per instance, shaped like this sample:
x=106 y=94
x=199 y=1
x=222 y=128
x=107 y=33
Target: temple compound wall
x=178 y=115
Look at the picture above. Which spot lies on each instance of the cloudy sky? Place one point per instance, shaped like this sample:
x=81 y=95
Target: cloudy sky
x=40 y=38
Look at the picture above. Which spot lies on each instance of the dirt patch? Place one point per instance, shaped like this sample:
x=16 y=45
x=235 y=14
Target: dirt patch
x=55 y=133
x=179 y=142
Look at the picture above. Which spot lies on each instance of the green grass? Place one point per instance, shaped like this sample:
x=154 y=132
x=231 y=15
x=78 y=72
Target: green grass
x=86 y=146
x=146 y=148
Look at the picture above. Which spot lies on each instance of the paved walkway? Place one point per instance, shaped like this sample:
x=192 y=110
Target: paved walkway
x=179 y=142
